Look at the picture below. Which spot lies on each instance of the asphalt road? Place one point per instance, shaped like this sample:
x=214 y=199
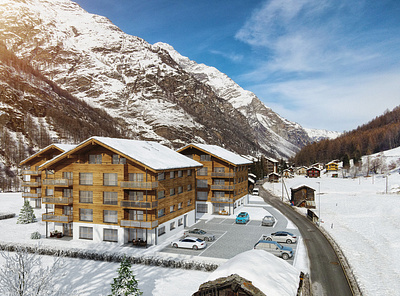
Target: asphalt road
x=326 y=273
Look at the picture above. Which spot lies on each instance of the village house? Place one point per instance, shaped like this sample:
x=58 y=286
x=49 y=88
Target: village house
x=302 y=170
x=313 y=172
x=273 y=177
x=287 y=173
x=302 y=196
x=119 y=190
x=271 y=165
x=332 y=166
x=32 y=178
x=222 y=182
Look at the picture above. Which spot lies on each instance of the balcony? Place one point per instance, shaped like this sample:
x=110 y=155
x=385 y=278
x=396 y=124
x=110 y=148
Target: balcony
x=32 y=195
x=139 y=185
x=51 y=217
x=27 y=172
x=222 y=187
x=31 y=184
x=58 y=182
x=222 y=199
x=139 y=204
x=139 y=224
x=222 y=174
x=58 y=200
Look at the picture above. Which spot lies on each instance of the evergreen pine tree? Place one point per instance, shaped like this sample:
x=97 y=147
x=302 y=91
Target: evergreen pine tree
x=26 y=214
x=125 y=284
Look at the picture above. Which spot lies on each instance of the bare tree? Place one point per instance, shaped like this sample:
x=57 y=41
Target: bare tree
x=23 y=274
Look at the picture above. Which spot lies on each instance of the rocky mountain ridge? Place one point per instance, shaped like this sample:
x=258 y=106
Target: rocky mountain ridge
x=150 y=91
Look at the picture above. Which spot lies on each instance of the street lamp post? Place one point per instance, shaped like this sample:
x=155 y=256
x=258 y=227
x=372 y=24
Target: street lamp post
x=319 y=203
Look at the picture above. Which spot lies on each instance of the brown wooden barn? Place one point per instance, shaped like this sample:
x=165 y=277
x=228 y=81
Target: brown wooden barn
x=303 y=196
x=313 y=172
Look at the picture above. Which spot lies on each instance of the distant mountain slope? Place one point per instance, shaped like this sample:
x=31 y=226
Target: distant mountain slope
x=380 y=134
x=148 y=89
x=318 y=135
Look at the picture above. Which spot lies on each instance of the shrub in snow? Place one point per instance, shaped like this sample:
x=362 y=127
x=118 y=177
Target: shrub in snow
x=36 y=235
x=26 y=214
x=125 y=284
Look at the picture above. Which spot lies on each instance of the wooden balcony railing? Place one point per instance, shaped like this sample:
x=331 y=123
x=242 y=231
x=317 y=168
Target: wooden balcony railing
x=58 y=200
x=58 y=182
x=221 y=199
x=33 y=195
x=222 y=187
x=27 y=172
x=139 y=204
x=222 y=174
x=51 y=217
x=139 y=185
x=139 y=224
x=31 y=184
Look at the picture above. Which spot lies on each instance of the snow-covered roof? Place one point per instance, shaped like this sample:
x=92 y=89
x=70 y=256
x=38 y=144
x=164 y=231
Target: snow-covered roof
x=267 y=272
x=271 y=159
x=298 y=186
x=150 y=154
x=252 y=175
x=61 y=147
x=220 y=153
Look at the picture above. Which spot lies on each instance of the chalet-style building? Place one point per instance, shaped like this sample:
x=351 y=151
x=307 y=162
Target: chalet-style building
x=318 y=165
x=119 y=190
x=332 y=166
x=301 y=170
x=32 y=178
x=313 y=172
x=287 y=173
x=273 y=177
x=271 y=165
x=222 y=182
x=302 y=196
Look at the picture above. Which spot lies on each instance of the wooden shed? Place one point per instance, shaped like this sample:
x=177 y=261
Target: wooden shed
x=273 y=177
x=303 y=196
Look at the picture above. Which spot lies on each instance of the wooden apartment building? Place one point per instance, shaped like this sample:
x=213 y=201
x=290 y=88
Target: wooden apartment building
x=117 y=190
x=222 y=182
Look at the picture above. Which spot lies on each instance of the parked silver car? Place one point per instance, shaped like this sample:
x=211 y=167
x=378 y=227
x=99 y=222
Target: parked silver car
x=268 y=221
x=200 y=233
x=275 y=248
x=281 y=236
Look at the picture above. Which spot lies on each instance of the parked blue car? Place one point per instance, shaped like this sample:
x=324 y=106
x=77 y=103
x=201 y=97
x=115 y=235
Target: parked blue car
x=242 y=218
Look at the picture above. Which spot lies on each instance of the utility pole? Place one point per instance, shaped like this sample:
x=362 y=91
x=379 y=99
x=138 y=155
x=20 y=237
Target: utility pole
x=319 y=203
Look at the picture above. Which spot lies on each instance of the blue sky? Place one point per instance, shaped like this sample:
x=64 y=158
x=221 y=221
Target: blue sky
x=327 y=64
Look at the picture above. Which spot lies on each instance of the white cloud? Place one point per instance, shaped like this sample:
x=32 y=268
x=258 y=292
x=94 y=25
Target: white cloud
x=228 y=55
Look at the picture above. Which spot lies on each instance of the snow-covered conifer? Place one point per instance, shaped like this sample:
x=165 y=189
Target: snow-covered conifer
x=26 y=214
x=125 y=284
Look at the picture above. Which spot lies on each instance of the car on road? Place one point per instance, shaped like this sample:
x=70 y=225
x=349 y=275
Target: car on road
x=242 y=218
x=256 y=191
x=268 y=221
x=189 y=243
x=200 y=233
x=274 y=248
x=281 y=236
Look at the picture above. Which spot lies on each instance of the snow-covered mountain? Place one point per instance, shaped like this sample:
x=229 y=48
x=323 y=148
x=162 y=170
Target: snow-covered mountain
x=319 y=134
x=151 y=90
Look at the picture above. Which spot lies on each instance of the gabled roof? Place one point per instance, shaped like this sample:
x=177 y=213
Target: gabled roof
x=150 y=154
x=295 y=187
x=219 y=152
x=60 y=147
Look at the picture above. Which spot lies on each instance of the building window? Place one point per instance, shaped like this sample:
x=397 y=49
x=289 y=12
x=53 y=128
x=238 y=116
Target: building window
x=86 y=215
x=189 y=172
x=67 y=192
x=201 y=195
x=161 y=176
x=110 y=198
x=85 y=178
x=68 y=175
x=136 y=177
x=86 y=196
x=136 y=215
x=161 y=230
x=118 y=160
x=172 y=192
x=180 y=174
x=161 y=194
x=219 y=182
x=219 y=170
x=110 y=179
x=160 y=213
x=202 y=183
x=85 y=232
x=180 y=189
x=180 y=205
x=202 y=172
x=180 y=222
x=189 y=202
x=205 y=157
x=189 y=187
x=110 y=216
x=202 y=208
x=172 y=209
x=95 y=159
x=219 y=194
x=172 y=175
x=110 y=235
x=172 y=226
x=136 y=195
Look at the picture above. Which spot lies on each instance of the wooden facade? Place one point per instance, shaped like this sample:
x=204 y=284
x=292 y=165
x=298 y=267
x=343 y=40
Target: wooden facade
x=303 y=196
x=97 y=188
x=313 y=172
x=332 y=166
x=222 y=182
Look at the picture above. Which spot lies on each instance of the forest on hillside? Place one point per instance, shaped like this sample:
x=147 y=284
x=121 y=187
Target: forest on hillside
x=380 y=134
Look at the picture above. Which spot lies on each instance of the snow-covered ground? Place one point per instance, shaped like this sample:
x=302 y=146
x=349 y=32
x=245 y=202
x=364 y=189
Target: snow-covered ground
x=364 y=221
x=87 y=277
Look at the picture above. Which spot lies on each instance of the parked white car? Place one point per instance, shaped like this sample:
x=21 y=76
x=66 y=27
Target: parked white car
x=256 y=191
x=189 y=243
x=281 y=236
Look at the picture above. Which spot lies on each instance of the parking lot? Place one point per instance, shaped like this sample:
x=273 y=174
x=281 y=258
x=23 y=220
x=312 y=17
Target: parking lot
x=232 y=239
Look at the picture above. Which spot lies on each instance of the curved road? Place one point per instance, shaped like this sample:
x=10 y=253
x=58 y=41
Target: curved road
x=326 y=274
